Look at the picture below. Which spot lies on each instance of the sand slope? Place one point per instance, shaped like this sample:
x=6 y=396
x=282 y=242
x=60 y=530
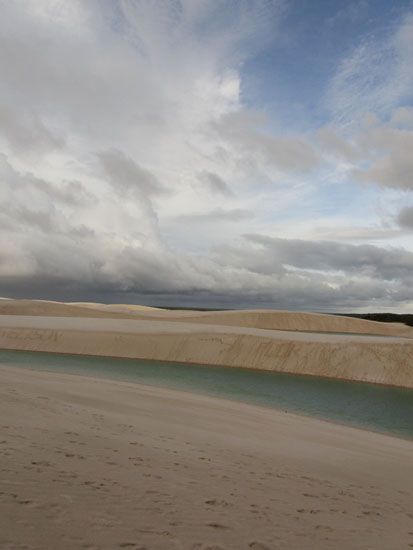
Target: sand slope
x=298 y=321
x=90 y=463
x=384 y=360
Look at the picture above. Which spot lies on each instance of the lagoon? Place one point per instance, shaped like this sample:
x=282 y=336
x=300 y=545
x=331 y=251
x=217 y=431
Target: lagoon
x=369 y=406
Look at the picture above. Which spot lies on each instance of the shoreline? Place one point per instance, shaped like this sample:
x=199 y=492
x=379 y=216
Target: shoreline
x=208 y=365
x=226 y=398
x=212 y=397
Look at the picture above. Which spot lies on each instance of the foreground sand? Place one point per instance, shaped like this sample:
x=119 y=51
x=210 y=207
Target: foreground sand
x=90 y=463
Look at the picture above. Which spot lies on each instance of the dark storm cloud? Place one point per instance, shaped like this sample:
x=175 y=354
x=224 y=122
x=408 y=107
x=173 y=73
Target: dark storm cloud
x=369 y=260
x=261 y=272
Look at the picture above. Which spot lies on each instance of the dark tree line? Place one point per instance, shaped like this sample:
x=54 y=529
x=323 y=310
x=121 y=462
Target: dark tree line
x=405 y=318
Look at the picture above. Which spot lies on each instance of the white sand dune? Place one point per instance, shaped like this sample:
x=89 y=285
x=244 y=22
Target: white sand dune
x=293 y=321
x=103 y=464
x=70 y=309
x=379 y=359
x=265 y=319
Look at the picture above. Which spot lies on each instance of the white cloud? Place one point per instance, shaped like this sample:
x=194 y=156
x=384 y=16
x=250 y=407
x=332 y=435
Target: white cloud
x=376 y=76
x=402 y=117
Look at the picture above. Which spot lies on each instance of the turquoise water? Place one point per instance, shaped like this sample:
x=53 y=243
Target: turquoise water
x=375 y=407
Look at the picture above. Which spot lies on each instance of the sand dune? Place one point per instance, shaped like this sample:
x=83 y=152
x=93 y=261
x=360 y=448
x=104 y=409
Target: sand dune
x=294 y=342
x=115 y=308
x=297 y=321
x=264 y=319
x=90 y=463
x=71 y=309
x=379 y=359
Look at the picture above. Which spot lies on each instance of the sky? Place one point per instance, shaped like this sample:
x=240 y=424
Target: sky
x=208 y=153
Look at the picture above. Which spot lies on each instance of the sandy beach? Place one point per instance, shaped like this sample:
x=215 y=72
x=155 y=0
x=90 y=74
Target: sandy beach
x=92 y=463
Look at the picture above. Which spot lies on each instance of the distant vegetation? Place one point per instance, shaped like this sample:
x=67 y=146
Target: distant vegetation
x=407 y=318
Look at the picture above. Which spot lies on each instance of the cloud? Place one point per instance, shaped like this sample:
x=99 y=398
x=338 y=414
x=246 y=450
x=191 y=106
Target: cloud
x=379 y=153
x=126 y=176
x=27 y=133
x=352 y=11
x=392 y=162
x=405 y=217
x=402 y=117
x=355 y=233
x=244 y=132
x=367 y=260
x=144 y=275
x=375 y=77
x=131 y=162
x=25 y=188
x=275 y=272
x=23 y=217
x=331 y=142
x=217 y=215
x=215 y=184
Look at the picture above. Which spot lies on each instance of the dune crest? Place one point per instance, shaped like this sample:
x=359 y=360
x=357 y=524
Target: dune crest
x=259 y=318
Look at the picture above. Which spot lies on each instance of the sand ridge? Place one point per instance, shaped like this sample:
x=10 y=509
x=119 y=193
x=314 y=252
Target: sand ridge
x=72 y=309
x=265 y=319
x=115 y=308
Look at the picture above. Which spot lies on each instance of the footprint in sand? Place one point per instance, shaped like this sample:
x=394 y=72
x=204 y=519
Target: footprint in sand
x=206 y=546
x=215 y=502
x=256 y=545
x=218 y=525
